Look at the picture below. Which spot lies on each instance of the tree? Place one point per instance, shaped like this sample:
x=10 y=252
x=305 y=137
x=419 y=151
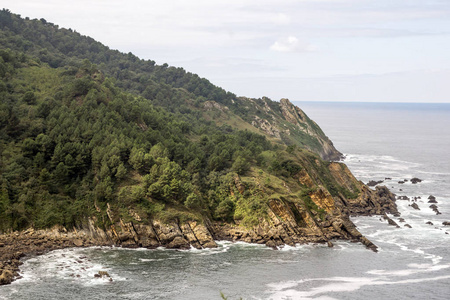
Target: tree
x=29 y=98
x=240 y=165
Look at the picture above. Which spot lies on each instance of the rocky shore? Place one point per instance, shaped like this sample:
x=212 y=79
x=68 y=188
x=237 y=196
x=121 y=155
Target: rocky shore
x=288 y=223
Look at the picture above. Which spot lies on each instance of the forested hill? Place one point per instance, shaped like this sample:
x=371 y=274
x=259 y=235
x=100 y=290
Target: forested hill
x=59 y=47
x=86 y=131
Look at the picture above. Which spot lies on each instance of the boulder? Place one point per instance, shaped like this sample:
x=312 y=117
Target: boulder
x=179 y=243
x=432 y=199
x=78 y=242
x=415 y=180
x=407 y=225
x=435 y=209
x=446 y=223
x=390 y=221
x=429 y=223
x=415 y=206
x=6 y=277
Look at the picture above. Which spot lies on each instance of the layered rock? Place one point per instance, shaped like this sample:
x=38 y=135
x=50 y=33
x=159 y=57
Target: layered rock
x=291 y=219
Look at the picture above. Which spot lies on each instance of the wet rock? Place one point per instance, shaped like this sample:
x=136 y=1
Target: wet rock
x=401 y=182
x=407 y=225
x=429 y=223
x=390 y=221
x=435 y=209
x=271 y=244
x=415 y=206
x=403 y=198
x=387 y=178
x=374 y=183
x=432 y=199
x=103 y=273
x=6 y=277
x=401 y=220
x=446 y=223
x=179 y=243
x=415 y=180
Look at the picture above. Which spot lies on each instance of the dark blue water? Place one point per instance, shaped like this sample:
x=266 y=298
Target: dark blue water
x=400 y=141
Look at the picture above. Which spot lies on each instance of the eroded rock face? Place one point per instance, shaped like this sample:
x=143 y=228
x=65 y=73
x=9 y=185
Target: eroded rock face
x=290 y=220
x=267 y=127
x=287 y=121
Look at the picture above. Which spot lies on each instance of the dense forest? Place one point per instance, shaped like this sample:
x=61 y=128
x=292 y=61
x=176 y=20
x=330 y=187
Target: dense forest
x=85 y=130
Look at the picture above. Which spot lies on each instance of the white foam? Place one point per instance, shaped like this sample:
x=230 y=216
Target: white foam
x=67 y=264
x=292 y=289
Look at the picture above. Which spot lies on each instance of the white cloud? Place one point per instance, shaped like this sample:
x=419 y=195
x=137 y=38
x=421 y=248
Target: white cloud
x=355 y=37
x=281 y=19
x=292 y=44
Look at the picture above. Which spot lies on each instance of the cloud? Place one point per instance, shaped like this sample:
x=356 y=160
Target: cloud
x=292 y=44
x=281 y=19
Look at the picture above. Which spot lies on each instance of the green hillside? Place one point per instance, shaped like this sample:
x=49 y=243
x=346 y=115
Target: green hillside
x=89 y=131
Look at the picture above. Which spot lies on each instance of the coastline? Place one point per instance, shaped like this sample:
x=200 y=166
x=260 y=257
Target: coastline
x=281 y=229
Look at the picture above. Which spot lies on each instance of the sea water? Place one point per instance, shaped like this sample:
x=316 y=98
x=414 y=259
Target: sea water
x=397 y=141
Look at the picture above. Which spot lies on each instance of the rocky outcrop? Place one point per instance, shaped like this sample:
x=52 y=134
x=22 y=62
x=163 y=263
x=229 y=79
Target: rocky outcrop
x=212 y=105
x=374 y=183
x=292 y=218
x=297 y=117
x=287 y=122
x=390 y=221
x=266 y=127
x=372 y=202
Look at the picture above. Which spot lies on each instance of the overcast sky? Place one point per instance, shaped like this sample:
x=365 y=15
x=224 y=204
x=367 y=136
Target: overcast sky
x=304 y=50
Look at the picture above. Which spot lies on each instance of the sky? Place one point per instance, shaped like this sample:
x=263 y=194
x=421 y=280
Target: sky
x=304 y=50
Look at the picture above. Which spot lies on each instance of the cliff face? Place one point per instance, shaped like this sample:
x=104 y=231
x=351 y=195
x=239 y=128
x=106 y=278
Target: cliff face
x=315 y=216
x=148 y=162
x=288 y=123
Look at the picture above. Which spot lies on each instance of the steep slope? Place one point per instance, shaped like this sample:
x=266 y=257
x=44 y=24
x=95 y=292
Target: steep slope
x=161 y=84
x=135 y=156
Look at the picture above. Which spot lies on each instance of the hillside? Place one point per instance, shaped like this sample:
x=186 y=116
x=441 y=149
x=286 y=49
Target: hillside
x=105 y=148
x=161 y=84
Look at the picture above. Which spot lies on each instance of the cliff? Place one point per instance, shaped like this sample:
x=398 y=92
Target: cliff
x=99 y=147
x=313 y=216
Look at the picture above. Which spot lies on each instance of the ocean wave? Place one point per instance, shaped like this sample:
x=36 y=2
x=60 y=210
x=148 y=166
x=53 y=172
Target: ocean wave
x=295 y=289
x=73 y=264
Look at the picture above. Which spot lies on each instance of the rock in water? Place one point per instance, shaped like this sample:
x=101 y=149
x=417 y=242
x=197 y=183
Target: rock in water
x=432 y=199
x=390 y=221
x=374 y=183
x=415 y=206
x=415 y=180
x=435 y=209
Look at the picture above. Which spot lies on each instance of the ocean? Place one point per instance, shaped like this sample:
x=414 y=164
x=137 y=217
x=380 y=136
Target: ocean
x=388 y=142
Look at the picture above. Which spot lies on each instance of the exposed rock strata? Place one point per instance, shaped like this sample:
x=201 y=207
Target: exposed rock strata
x=289 y=221
x=276 y=123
